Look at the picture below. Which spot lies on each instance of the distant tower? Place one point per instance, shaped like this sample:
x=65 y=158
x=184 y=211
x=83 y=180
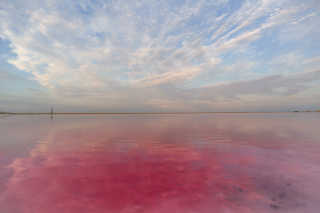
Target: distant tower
x=51 y=113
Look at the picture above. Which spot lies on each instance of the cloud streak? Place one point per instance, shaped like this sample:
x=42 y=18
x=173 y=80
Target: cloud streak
x=94 y=49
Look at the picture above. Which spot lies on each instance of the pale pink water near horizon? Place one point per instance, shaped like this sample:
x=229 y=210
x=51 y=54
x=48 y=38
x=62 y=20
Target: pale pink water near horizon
x=193 y=163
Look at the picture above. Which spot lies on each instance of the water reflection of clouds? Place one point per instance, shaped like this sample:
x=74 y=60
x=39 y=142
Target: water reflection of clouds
x=158 y=166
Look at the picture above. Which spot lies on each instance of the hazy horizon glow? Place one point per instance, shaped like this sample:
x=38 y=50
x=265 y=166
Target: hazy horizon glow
x=159 y=56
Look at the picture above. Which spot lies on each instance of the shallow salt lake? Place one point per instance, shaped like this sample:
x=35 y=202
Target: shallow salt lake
x=191 y=163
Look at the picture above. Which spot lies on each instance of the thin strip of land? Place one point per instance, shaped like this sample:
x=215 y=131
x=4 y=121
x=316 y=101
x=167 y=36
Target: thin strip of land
x=131 y=113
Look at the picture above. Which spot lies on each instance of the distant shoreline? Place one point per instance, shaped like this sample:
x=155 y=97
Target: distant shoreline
x=136 y=113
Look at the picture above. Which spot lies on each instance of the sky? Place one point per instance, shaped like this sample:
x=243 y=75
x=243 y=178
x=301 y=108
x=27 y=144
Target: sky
x=159 y=56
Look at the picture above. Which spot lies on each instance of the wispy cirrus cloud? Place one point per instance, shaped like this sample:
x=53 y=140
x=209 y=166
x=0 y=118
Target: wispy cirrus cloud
x=107 y=50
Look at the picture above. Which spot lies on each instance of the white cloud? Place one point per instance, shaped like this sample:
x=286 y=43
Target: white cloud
x=314 y=60
x=82 y=47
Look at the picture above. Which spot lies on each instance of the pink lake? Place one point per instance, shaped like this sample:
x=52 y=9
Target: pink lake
x=191 y=163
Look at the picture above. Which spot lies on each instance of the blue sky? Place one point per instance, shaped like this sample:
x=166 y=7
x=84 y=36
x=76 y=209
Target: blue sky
x=148 y=55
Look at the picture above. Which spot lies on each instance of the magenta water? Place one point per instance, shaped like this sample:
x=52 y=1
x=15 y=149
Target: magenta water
x=242 y=163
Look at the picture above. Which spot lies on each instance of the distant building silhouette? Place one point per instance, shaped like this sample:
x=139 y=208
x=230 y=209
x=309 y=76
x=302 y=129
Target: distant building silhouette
x=51 y=113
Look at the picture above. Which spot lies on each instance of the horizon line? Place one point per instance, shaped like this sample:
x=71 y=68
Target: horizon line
x=128 y=113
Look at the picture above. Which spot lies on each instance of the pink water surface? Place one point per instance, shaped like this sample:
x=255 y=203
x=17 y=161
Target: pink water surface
x=243 y=163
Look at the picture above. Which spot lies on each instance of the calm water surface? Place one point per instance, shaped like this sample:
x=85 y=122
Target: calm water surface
x=242 y=163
